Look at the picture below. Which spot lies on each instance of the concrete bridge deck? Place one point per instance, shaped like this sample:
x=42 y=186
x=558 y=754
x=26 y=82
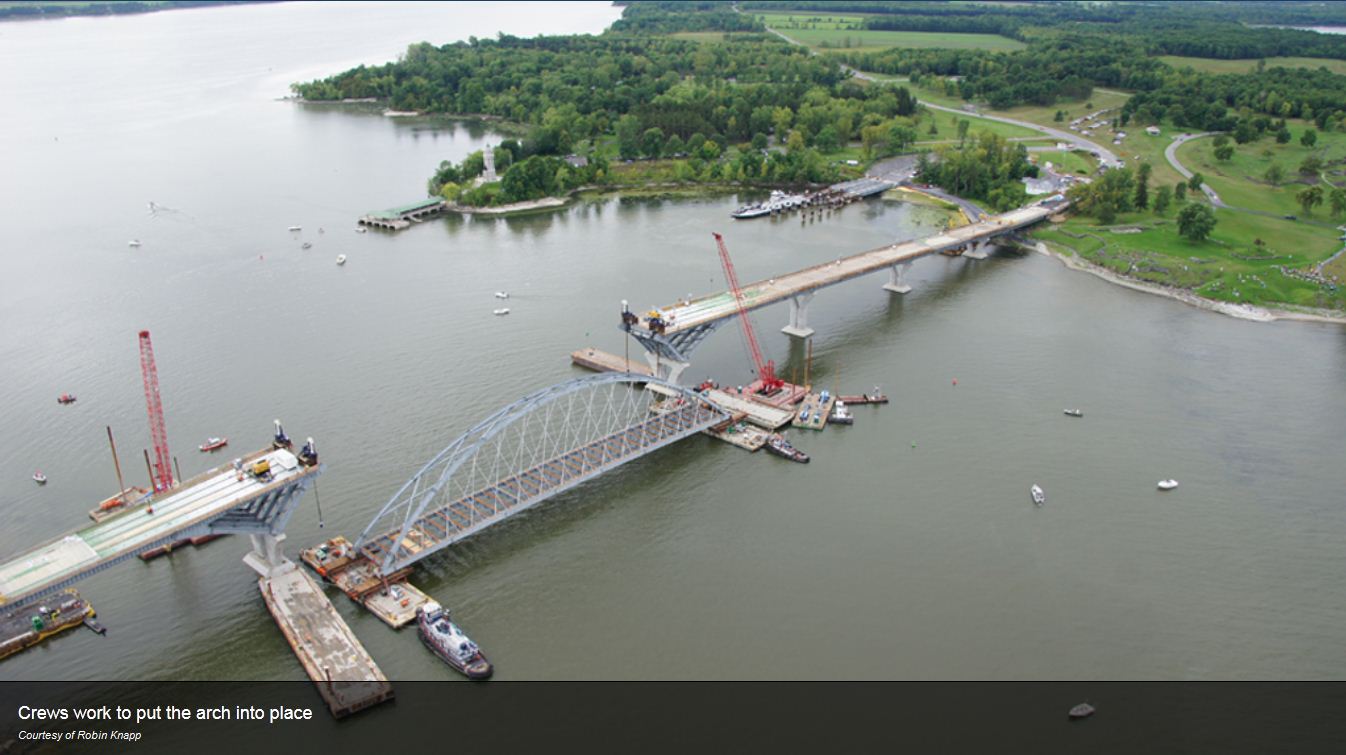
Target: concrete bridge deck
x=176 y=513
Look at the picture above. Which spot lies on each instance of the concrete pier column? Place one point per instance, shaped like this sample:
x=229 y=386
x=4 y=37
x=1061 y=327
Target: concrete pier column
x=978 y=250
x=799 y=316
x=668 y=369
x=266 y=557
x=897 y=278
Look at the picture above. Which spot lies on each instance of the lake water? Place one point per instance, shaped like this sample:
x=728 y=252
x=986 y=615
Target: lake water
x=907 y=549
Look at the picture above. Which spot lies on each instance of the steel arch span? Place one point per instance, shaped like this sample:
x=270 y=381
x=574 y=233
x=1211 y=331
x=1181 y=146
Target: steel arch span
x=544 y=443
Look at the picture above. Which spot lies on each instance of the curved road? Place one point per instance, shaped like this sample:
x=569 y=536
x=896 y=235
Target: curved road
x=1106 y=157
x=1171 y=154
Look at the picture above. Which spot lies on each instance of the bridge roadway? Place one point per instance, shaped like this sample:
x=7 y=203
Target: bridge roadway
x=399 y=548
x=186 y=510
x=702 y=311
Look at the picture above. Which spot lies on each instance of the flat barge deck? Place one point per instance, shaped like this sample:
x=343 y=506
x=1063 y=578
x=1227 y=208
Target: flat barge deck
x=814 y=411
x=762 y=415
x=345 y=674
x=394 y=600
x=601 y=361
x=24 y=626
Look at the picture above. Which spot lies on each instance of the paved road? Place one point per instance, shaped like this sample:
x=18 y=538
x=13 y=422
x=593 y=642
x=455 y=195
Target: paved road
x=1105 y=155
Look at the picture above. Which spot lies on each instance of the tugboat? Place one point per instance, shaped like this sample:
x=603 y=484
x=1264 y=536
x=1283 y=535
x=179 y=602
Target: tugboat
x=446 y=640
x=841 y=415
x=781 y=447
x=65 y=398
x=213 y=443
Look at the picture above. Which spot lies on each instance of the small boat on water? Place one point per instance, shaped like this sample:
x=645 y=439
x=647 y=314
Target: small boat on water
x=779 y=201
x=306 y=245
x=362 y=229
x=841 y=415
x=501 y=311
x=212 y=444
x=1083 y=710
x=1168 y=484
x=448 y=641
x=133 y=243
x=65 y=398
x=1074 y=413
x=341 y=259
x=501 y=295
x=1039 y=497
x=778 y=445
x=296 y=228
x=39 y=478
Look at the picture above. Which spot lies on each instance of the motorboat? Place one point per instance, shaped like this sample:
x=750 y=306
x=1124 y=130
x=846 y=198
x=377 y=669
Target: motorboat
x=448 y=641
x=306 y=245
x=1083 y=710
x=501 y=295
x=1039 y=497
x=779 y=201
x=362 y=229
x=1074 y=413
x=133 y=243
x=212 y=444
x=296 y=228
x=341 y=259
x=1168 y=484
x=39 y=478
x=501 y=311
x=841 y=415
x=778 y=445
x=65 y=398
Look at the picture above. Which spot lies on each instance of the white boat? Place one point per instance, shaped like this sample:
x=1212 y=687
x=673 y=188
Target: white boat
x=362 y=229
x=296 y=228
x=501 y=311
x=306 y=245
x=1074 y=413
x=841 y=415
x=779 y=201
x=133 y=243
x=1168 y=484
x=39 y=478
x=341 y=259
x=501 y=295
x=1039 y=497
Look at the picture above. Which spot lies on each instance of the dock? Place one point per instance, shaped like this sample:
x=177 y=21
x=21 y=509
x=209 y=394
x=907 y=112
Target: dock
x=762 y=415
x=345 y=674
x=393 y=599
x=24 y=626
x=397 y=218
x=601 y=361
x=814 y=411
x=863 y=398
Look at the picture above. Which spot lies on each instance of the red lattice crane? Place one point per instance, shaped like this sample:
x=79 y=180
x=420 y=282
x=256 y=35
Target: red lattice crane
x=766 y=370
x=163 y=461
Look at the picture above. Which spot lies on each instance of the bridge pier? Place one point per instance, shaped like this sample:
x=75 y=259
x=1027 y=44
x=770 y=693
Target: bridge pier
x=897 y=278
x=978 y=250
x=799 y=316
x=266 y=557
x=668 y=369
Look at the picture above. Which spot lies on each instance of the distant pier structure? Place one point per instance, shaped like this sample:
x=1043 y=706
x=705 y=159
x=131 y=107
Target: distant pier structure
x=397 y=218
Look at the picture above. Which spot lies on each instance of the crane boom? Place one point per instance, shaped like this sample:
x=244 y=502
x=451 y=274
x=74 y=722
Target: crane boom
x=163 y=461
x=766 y=369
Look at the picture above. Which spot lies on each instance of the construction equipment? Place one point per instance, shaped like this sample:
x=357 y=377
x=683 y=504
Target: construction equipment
x=766 y=370
x=163 y=460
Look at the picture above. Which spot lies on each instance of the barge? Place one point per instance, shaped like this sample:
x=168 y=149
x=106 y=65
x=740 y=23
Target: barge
x=24 y=626
x=393 y=599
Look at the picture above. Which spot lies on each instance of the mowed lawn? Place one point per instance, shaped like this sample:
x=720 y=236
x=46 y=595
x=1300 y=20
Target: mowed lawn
x=1211 y=65
x=1241 y=181
x=830 y=32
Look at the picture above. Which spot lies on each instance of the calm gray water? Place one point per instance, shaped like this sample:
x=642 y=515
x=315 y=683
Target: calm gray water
x=907 y=549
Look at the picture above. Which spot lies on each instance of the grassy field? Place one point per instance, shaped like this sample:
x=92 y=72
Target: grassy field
x=1240 y=181
x=1210 y=65
x=835 y=32
x=947 y=125
x=1067 y=162
x=1225 y=267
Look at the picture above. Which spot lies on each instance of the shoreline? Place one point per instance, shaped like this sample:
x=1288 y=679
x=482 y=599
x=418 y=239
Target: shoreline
x=1239 y=311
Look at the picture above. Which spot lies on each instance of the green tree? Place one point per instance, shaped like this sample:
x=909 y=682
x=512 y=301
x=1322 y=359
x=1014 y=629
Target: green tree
x=1310 y=198
x=827 y=139
x=628 y=136
x=1225 y=153
x=1219 y=141
x=1244 y=132
x=1283 y=136
x=963 y=125
x=1309 y=138
x=1109 y=194
x=1059 y=116
x=795 y=142
x=1274 y=175
x=1312 y=164
x=759 y=141
x=1194 y=183
x=674 y=146
x=1141 y=198
x=1180 y=192
x=1337 y=199
x=1163 y=196
x=1195 y=222
x=652 y=142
